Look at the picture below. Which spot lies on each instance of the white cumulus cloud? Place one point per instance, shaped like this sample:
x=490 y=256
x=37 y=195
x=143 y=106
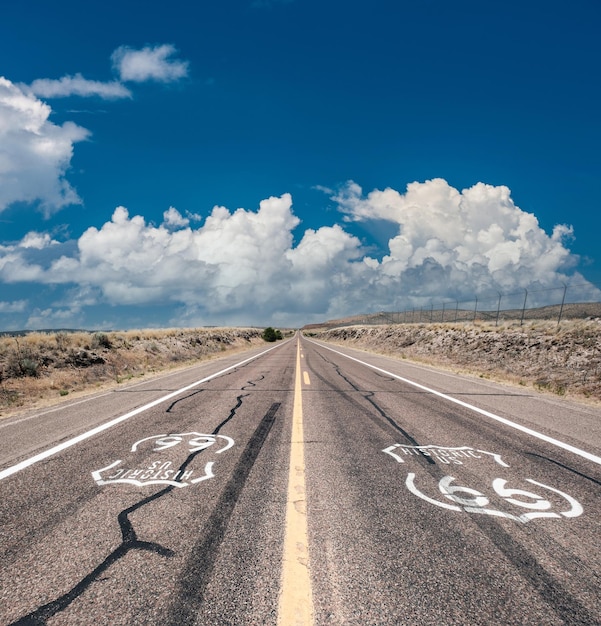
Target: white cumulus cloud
x=244 y=267
x=149 y=63
x=78 y=86
x=475 y=239
x=35 y=154
x=174 y=219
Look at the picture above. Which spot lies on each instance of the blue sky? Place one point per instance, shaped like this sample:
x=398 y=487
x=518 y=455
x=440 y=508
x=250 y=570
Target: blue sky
x=288 y=161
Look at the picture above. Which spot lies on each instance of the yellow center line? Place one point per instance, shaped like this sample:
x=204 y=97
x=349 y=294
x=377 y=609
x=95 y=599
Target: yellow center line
x=296 y=599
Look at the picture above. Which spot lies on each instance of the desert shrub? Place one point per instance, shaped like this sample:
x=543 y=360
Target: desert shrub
x=29 y=367
x=62 y=341
x=21 y=361
x=20 y=366
x=101 y=340
x=269 y=334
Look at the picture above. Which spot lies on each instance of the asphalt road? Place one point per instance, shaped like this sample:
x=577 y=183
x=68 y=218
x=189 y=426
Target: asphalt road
x=413 y=497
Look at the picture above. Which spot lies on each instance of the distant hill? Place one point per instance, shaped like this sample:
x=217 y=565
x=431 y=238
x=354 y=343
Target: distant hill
x=21 y=333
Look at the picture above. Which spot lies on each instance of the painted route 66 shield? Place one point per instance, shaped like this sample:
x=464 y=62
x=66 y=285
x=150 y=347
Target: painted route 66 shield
x=178 y=459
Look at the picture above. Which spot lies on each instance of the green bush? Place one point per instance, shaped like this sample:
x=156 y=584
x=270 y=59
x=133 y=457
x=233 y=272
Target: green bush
x=270 y=334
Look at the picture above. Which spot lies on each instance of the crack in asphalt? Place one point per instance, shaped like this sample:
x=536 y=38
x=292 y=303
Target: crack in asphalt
x=170 y=408
x=369 y=396
x=548 y=586
x=129 y=539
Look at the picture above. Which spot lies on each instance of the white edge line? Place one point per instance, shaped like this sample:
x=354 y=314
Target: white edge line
x=524 y=429
x=5 y=421
x=9 y=471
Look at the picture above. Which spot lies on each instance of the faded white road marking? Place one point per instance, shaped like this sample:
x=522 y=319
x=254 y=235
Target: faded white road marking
x=9 y=471
x=529 y=431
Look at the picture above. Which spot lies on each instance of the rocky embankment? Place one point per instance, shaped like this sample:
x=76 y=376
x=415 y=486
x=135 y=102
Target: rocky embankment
x=43 y=367
x=562 y=359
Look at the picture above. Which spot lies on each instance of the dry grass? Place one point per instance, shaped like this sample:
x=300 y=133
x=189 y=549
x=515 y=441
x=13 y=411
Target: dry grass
x=562 y=359
x=565 y=359
x=43 y=367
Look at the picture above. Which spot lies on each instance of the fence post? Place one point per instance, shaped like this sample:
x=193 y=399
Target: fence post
x=524 y=307
x=565 y=288
x=498 y=309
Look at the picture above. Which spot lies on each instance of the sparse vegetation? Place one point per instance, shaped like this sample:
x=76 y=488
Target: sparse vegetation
x=101 y=340
x=561 y=359
x=565 y=360
x=46 y=366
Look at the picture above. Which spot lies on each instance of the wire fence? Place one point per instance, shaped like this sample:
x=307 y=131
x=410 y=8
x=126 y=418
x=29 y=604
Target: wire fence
x=566 y=302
